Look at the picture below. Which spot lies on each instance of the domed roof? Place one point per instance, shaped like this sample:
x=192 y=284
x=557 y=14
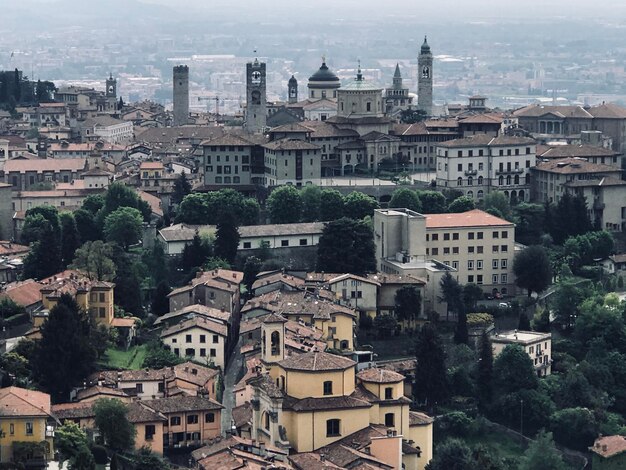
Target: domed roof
x=324 y=74
x=293 y=80
x=425 y=47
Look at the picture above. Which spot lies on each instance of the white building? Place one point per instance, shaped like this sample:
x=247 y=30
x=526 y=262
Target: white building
x=480 y=164
x=199 y=339
x=109 y=129
x=537 y=345
x=295 y=162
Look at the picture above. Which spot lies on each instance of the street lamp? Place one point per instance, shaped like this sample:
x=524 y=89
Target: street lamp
x=521 y=417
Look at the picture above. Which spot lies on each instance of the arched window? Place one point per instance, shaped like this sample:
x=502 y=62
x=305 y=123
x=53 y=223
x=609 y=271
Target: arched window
x=508 y=180
x=520 y=195
x=479 y=194
x=501 y=180
x=470 y=181
x=275 y=343
x=470 y=194
x=480 y=180
x=263 y=343
x=459 y=181
x=516 y=179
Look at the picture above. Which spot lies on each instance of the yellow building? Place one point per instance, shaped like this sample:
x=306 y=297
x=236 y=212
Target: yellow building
x=26 y=427
x=95 y=297
x=306 y=402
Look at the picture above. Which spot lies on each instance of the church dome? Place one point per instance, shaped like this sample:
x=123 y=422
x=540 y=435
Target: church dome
x=324 y=74
x=293 y=81
x=425 y=47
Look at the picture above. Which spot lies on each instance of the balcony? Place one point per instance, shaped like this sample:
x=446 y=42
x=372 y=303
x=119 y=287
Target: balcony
x=471 y=172
x=512 y=170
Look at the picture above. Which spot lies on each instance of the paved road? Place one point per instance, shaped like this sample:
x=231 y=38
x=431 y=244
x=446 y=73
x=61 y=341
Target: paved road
x=231 y=377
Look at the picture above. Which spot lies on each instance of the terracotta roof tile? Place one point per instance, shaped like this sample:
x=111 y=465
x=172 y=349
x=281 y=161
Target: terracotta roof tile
x=381 y=376
x=609 y=446
x=15 y=401
x=182 y=403
x=575 y=166
x=25 y=293
x=317 y=361
x=473 y=218
x=196 y=322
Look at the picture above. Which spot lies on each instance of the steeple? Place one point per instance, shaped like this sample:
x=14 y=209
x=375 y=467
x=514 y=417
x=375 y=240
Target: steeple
x=359 y=75
x=397 y=78
x=425 y=46
x=397 y=73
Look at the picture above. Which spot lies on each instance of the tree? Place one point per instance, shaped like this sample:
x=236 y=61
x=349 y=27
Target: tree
x=346 y=246
x=432 y=388
x=311 y=197
x=461 y=204
x=145 y=459
x=42 y=230
x=95 y=260
x=358 y=205
x=385 y=324
x=251 y=268
x=83 y=460
x=232 y=202
x=569 y=217
x=226 y=239
x=532 y=269
x=575 y=428
x=69 y=441
x=452 y=454
x=472 y=293
x=182 y=187
x=123 y=226
x=405 y=198
x=93 y=203
x=214 y=262
x=118 y=195
x=408 y=302
x=193 y=209
x=451 y=293
x=110 y=416
x=65 y=344
x=498 y=201
x=87 y=226
x=485 y=371
x=524 y=322
x=160 y=302
x=70 y=240
x=284 y=205
x=461 y=335
x=541 y=320
x=513 y=370
x=542 y=455
x=157 y=357
x=530 y=223
x=331 y=205
x=127 y=282
x=432 y=202
x=195 y=253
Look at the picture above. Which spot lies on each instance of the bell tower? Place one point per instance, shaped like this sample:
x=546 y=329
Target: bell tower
x=292 y=90
x=111 y=87
x=256 y=97
x=273 y=339
x=425 y=79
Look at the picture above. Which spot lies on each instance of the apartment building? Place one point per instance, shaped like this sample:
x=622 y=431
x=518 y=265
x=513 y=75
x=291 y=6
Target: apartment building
x=479 y=164
x=537 y=345
x=295 y=162
x=474 y=246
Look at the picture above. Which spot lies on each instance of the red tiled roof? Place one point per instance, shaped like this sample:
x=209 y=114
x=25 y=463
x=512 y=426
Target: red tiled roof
x=473 y=218
x=609 y=446
x=381 y=376
x=15 y=401
x=316 y=361
x=41 y=165
x=24 y=293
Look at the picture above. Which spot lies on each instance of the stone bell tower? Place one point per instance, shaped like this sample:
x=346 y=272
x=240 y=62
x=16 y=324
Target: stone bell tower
x=425 y=79
x=256 y=97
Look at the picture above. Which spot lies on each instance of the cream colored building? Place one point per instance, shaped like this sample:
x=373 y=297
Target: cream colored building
x=295 y=162
x=537 y=345
x=199 y=339
x=308 y=401
x=480 y=164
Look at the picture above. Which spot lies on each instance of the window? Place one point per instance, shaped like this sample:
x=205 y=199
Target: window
x=187 y=338
x=333 y=428
x=455 y=264
x=209 y=418
x=446 y=250
x=284 y=243
x=303 y=242
x=494 y=278
x=479 y=235
x=150 y=431
x=212 y=352
x=470 y=278
x=470 y=235
x=389 y=393
x=495 y=248
x=479 y=264
x=202 y=352
x=479 y=249
x=216 y=339
x=435 y=237
x=101 y=296
x=446 y=236
x=470 y=249
x=505 y=234
x=390 y=419
x=435 y=251
x=192 y=419
x=496 y=234
x=190 y=352
x=328 y=387
x=504 y=278
x=11 y=429
x=29 y=428
x=139 y=388
x=479 y=279
x=203 y=338
x=455 y=250
x=455 y=236
x=266 y=420
x=502 y=263
x=470 y=265
x=504 y=248
x=494 y=264
x=247 y=245
x=460 y=167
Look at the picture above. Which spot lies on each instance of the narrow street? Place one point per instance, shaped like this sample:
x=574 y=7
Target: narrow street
x=231 y=376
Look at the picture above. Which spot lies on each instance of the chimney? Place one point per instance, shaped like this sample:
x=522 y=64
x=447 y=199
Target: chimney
x=198 y=274
x=322 y=457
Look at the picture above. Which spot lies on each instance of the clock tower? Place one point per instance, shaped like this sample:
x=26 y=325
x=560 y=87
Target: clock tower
x=256 y=97
x=111 y=87
x=425 y=79
x=292 y=90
